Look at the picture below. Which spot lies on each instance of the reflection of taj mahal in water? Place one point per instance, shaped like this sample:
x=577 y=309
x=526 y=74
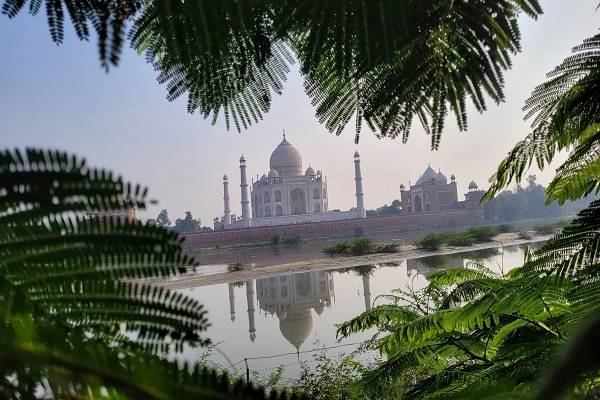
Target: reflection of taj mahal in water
x=291 y=299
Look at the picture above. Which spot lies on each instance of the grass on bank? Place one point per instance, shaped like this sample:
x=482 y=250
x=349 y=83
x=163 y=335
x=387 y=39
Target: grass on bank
x=480 y=234
x=359 y=247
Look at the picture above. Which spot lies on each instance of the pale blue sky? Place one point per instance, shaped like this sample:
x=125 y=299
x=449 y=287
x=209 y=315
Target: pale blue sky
x=58 y=97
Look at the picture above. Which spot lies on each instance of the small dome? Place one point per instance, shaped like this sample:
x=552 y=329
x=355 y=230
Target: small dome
x=263 y=178
x=402 y=187
x=441 y=177
x=472 y=185
x=273 y=174
x=356 y=155
x=452 y=177
x=319 y=308
x=426 y=176
x=286 y=160
x=225 y=177
x=242 y=159
x=310 y=171
x=281 y=314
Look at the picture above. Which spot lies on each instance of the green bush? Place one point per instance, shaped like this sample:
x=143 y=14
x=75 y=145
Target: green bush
x=236 y=266
x=359 y=232
x=338 y=248
x=276 y=239
x=387 y=248
x=296 y=239
x=547 y=229
x=362 y=246
x=460 y=239
x=524 y=235
x=430 y=242
x=483 y=233
x=505 y=228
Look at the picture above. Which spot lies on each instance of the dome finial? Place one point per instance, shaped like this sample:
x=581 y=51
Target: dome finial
x=284 y=134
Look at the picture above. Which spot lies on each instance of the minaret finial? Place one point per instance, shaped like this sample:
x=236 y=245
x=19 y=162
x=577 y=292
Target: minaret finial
x=284 y=134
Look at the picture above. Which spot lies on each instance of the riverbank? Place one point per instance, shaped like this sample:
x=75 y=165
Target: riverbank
x=404 y=253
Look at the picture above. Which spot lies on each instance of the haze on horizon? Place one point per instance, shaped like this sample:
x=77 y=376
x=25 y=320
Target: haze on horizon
x=58 y=97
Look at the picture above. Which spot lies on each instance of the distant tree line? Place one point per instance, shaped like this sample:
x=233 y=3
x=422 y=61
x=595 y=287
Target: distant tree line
x=528 y=201
x=186 y=225
x=394 y=209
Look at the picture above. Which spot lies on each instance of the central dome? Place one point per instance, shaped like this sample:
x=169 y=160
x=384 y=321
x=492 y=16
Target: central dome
x=286 y=160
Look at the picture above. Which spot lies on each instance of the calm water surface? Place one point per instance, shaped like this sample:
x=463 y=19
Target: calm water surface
x=281 y=320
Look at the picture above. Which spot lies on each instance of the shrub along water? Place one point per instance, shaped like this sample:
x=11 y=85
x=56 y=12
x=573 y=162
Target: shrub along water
x=433 y=241
x=359 y=247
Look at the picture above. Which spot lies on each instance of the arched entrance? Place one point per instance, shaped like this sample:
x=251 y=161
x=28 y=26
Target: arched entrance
x=298 y=204
x=418 y=204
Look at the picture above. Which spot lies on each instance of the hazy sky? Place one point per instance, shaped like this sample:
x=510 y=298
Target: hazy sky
x=58 y=97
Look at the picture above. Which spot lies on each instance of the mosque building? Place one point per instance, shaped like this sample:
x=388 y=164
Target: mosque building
x=432 y=193
x=286 y=195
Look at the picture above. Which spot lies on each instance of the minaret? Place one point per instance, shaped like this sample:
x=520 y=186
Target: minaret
x=244 y=186
x=227 y=219
x=250 y=300
x=231 y=302
x=366 y=291
x=360 y=205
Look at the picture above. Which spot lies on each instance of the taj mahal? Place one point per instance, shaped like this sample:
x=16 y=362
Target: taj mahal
x=286 y=195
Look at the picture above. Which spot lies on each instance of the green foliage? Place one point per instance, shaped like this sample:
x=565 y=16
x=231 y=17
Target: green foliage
x=460 y=239
x=236 y=266
x=359 y=247
x=433 y=241
x=552 y=228
x=430 y=242
x=188 y=224
x=564 y=118
x=483 y=233
x=275 y=239
x=525 y=235
x=528 y=202
x=385 y=73
x=472 y=333
x=359 y=232
x=76 y=318
x=163 y=219
x=329 y=378
x=387 y=248
x=392 y=209
x=296 y=239
x=362 y=246
x=338 y=248
x=505 y=228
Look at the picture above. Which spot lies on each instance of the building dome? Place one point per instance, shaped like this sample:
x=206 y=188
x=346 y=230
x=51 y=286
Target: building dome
x=273 y=174
x=441 y=177
x=296 y=327
x=472 y=185
x=263 y=178
x=310 y=172
x=286 y=160
x=426 y=176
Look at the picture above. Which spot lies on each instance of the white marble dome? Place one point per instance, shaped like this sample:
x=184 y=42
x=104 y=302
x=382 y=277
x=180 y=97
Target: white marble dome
x=273 y=174
x=286 y=160
x=310 y=171
x=296 y=327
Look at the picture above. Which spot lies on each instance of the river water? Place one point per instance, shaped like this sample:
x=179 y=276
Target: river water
x=283 y=320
